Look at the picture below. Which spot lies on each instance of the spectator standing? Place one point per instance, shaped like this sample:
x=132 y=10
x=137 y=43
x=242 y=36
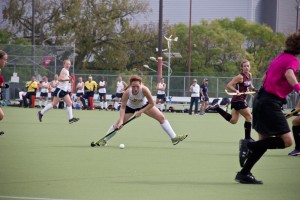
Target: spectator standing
x=204 y=98
x=32 y=87
x=195 y=95
x=90 y=87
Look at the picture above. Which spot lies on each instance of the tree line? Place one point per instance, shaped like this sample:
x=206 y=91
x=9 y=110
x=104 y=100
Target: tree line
x=106 y=37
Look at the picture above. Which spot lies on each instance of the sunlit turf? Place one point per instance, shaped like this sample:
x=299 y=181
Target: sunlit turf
x=54 y=160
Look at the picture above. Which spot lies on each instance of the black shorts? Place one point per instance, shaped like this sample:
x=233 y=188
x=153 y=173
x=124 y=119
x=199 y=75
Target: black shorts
x=268 y=118
x=79 y=94
x=44 y=94
x=132 y=110
x=102 y=94
x=119 y=95
x=59 y=93
x=161 y=96
x=240 y=105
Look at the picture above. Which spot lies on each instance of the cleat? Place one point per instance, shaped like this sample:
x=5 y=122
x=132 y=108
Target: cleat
x=1 y=132
x=244 y=152
x=294 y=153
x=246 y=179
x=39 y=114
x=250 y=139
x=73 y=120
x=178 y=139
x=101 y=143
x=212 y=108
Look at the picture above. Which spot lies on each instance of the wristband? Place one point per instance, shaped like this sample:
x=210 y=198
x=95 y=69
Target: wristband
x=296 y=87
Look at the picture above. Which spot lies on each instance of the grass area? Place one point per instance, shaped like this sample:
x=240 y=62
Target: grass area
x=54 y=160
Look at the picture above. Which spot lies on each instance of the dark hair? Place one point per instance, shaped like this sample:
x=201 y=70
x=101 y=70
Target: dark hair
x=292 y=43
x=2 y=54
x=135 y=78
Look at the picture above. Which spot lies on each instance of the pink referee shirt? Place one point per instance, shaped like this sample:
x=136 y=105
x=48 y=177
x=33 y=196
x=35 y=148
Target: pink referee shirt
x=276 y=82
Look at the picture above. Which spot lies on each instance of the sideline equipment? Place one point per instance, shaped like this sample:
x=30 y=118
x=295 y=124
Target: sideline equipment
x=293 y=112
x=93 y=144
x=234 y=93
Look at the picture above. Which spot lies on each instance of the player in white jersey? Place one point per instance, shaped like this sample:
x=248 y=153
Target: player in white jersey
x=62 y=92
x=136 y=100
x=53 y=85
x=44 y=88
x=161 y=95
x=102 y=93
x=119 y=91
x=80 y=92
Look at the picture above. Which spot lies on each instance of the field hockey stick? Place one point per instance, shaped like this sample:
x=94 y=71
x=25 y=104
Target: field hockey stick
x=93 y=144
x=292 y=113
x=234 y=93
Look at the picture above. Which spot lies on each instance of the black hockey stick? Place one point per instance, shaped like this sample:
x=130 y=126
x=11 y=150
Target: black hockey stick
x=93 y=144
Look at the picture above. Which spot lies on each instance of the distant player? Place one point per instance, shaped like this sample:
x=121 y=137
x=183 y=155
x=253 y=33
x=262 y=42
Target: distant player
x=119 y=91
x=161 y=95
x=80 y=92
x=137 y=100
x=44 y=88
x=102 y=93
x=90 y=87
x=62 y=91
x=204 y=98
x=240 y=83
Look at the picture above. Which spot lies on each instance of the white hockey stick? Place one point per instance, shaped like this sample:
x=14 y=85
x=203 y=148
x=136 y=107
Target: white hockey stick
x=234 y=93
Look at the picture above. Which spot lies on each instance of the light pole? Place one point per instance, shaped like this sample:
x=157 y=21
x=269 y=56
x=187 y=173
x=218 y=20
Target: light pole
x=147 y=67
x=169 y=40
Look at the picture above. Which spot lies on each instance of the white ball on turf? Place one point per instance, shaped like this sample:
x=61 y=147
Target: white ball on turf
x=122 y=146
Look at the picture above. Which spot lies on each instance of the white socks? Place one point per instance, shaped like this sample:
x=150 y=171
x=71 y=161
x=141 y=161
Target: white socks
x=69 y=111
x=47 y=107
x=168 y=129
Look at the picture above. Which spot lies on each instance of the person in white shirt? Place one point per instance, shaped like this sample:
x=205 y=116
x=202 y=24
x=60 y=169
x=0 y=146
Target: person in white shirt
x=195 y=95
x=161 y=95
x=119 y=91
x=102 y=93
x=62 y=91
x=137 y=100
x=44 y=89
x=80 y=92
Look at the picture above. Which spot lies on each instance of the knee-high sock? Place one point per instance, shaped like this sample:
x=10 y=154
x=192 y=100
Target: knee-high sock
x=70 y=112
x=105 y=104
x=101 y=104
x=112 y=135
x=47 y=107
x=296 y=133
x=224 y=114
x=161 y=106
x=91 y=100
x=247 y=126
x=258 y=149
x=83 y=102
x=168 y=129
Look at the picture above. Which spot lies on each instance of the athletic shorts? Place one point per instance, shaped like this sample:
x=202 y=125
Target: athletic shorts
x=79 y=94
x=240 y=105
x=44 y=94
x=161 y=96
x=59 y=93
x=102 y=94
x=133 y=110
x=205 y=98
x=89 y=94
x=268 y=118
x=119 y=95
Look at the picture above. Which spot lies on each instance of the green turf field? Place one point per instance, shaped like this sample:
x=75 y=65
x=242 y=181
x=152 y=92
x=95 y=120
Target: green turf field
x=54 y=160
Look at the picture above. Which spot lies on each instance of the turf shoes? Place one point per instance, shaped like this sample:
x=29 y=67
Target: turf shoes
x=212 y=107
x=73 y=120
x=294 y=153
x=40 y=115
x=178 y=139
x=244 y=152
x=1 y=132
x=246 y=179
